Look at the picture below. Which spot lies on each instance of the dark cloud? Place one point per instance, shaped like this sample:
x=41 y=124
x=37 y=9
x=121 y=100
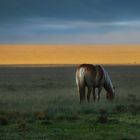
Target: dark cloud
x=71 y=9
x=69 y=21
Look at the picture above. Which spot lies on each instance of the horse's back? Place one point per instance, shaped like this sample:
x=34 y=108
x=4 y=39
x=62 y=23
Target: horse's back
x=86 y=74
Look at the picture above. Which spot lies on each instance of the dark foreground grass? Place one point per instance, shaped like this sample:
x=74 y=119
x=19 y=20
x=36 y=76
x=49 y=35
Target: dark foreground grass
x=42 y=103
x=117 y=127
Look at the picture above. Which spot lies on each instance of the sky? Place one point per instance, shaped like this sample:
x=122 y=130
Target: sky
x=70 y=21
x=69 y=54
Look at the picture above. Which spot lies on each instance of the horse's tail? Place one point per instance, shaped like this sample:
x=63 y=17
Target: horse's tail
x=80 y=78
x=80 y=81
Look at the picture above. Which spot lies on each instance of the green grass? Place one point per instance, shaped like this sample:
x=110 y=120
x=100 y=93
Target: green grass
x=42 y=103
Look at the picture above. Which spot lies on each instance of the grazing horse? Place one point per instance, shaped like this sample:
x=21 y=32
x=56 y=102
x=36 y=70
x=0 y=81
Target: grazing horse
x=92 y=77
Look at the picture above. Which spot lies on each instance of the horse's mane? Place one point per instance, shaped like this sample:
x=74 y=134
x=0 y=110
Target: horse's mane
x=107 y=80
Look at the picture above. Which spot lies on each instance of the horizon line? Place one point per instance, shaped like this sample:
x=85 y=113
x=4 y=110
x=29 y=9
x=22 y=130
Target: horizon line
x=61 y=65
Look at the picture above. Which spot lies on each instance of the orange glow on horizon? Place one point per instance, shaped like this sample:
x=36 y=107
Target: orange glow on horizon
x=69 y=54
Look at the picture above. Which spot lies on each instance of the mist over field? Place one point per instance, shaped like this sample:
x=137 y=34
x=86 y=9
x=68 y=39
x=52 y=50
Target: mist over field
x=43 y=103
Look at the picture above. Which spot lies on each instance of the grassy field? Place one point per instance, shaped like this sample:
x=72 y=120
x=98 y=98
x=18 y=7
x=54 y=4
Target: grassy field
x=42 y=103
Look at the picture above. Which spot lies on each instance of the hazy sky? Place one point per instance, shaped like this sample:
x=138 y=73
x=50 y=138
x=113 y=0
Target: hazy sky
x=70 y=21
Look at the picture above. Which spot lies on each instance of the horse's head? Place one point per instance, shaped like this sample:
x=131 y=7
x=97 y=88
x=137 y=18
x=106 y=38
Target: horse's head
x=110 y=95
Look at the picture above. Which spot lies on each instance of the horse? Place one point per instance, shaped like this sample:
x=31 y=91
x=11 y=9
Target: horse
x=92 y=77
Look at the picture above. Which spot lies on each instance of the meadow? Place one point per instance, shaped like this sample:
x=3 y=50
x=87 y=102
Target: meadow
x=42 y=103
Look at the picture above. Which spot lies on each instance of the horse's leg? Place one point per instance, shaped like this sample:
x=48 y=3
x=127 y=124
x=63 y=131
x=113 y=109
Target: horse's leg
x=82 y=93
x=99 y=91
x=93 y=93
x=88 y=94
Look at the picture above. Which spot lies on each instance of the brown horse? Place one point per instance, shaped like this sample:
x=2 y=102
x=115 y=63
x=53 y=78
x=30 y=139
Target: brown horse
x=92 y=77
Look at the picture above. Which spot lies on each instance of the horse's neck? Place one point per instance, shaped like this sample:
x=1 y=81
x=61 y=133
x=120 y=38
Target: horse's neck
x=99 y=74
x=108 y=83
x=105 y=79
